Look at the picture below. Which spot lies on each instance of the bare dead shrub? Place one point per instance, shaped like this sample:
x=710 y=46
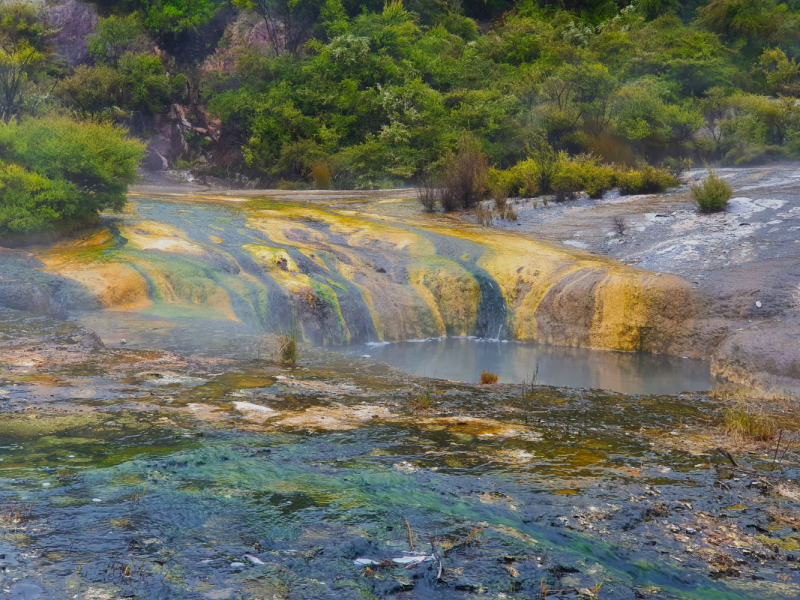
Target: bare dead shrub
x=620 y=224
x=465 y=182
x=428 y=193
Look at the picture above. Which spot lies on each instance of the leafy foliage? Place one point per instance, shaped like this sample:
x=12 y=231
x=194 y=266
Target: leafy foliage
x=554 y=95
x=712 y=194
x=115 y=36
x=55 y=169
x=24 y=52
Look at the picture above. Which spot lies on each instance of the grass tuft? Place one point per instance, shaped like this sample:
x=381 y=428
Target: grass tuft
x=287 y=347
x=422 y=402
x=744 y=423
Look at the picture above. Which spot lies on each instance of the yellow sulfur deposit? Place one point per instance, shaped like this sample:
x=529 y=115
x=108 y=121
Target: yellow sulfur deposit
x=347 y=276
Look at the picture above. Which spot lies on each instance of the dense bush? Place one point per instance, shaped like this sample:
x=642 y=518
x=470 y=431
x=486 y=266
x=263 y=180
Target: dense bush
x=382 y=92
x=712 y=194
x=583 y=174
x=645 y=180
x=56 y=170
x=30 y=202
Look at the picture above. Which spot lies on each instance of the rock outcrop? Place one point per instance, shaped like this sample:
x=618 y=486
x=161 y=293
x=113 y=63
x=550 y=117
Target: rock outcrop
x=74 y=22
x=352 y=278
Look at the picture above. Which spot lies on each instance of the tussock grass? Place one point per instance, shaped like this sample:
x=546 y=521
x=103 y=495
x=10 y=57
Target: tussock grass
x=423 y=401
x=287 y=347
x=744 y=423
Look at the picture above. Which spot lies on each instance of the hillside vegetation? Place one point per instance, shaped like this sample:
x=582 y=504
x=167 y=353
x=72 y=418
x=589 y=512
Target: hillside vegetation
x=537 y=97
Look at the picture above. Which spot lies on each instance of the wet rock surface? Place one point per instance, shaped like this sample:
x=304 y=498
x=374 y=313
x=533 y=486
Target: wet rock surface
x=132 y=473
x=744 y=264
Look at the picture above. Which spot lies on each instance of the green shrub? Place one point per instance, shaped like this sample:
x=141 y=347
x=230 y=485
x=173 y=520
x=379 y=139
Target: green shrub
x=712 y=194
x=567 y=181
x=597 y=179
x=645 y=180
x=30 y=202
x=57 y=170
x=548 y=163
x=521 y=179
x=582 y=173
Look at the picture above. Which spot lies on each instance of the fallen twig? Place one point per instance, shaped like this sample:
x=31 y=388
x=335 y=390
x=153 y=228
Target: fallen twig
x=728 y=456
x=410 y=536
x=777 y=447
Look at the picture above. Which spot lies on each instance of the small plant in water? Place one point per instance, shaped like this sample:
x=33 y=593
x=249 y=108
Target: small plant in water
x=287 y=347
x=527 y=398
x=422 y=402
x=488 y=378
x=68 y=473
x=15 y=512
x=136 y=497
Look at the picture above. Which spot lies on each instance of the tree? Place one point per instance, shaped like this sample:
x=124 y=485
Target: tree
x=24 y=52
x=115 y=36
x=782 y=74
x=754 y=23
x=288 y=22
x=652 y=9
x=146 y=85
x=92 y=92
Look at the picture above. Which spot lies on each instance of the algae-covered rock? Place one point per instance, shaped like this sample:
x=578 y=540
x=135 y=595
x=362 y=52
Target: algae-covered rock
x=343 y=277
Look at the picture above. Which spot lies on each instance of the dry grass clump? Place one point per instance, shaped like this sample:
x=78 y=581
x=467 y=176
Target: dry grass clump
x=500 y=196
x=286 y=353
x=484 y=215
x=760 y=417
x=322 y=176
x=749 y=423
x=488 y=378
x=620 y=224
x=422 y=402
x=509 y=214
